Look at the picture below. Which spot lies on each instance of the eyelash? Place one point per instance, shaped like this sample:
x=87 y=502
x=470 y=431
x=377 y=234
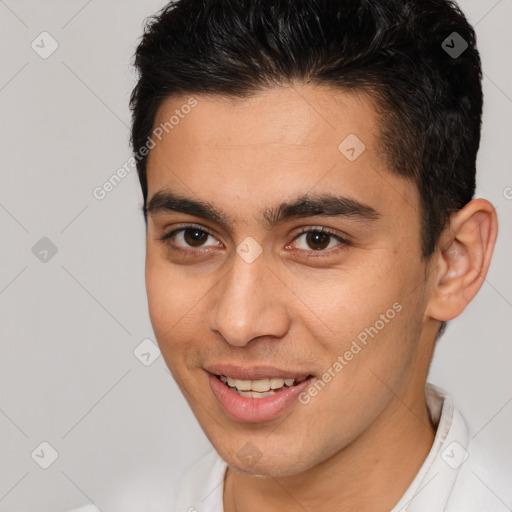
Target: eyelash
x=344 y=242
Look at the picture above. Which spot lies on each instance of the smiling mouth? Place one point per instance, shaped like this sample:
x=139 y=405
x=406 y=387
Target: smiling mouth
x=259 y=388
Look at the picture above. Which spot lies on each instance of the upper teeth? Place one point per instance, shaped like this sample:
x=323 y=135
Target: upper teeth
x=260 y=385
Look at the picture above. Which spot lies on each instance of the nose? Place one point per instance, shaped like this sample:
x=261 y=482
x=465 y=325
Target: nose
x=249 y=303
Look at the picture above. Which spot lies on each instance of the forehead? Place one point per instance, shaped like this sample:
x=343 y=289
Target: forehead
x=276 y=143
x=294 y=115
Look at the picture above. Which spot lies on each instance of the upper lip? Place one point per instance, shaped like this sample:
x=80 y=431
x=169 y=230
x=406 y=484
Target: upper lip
x=253 y=372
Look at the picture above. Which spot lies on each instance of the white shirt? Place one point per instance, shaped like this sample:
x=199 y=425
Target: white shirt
x=458 y=475
x=455 y=476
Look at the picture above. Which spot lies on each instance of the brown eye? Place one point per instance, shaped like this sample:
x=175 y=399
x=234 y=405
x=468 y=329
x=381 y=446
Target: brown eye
x=188 y=236
x=317 y=240
x=195 y=237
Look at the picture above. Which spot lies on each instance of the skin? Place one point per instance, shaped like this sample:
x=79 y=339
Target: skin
x=359 y=443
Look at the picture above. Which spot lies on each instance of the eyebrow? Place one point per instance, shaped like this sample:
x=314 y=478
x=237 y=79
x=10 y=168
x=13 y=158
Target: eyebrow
x=306 y=205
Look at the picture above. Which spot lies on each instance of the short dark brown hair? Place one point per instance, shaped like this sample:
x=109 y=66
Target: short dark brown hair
x=402 y=52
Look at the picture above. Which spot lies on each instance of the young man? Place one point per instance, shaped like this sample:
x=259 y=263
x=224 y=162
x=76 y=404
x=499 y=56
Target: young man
x=308 y=172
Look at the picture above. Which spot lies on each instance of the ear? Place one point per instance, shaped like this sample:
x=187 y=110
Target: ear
x=462 y=259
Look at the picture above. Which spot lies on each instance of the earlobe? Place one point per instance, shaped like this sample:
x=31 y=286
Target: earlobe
x=463 y=259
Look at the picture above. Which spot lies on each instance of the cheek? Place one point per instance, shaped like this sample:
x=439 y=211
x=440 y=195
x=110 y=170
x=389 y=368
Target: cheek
x=374 y=318
x=159 y=289
x=174 y=304
x=348 y=302
x=167 y=300
x=168 y=290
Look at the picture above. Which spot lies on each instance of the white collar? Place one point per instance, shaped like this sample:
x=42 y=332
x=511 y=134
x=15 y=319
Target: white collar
x=431 y=488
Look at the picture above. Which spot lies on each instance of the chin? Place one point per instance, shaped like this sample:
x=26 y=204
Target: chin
x=250 y=461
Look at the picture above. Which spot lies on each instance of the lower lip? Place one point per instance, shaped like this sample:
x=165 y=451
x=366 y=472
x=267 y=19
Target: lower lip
x=255 y=410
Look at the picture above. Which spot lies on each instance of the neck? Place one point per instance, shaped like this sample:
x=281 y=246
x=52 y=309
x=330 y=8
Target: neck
x=370 y=474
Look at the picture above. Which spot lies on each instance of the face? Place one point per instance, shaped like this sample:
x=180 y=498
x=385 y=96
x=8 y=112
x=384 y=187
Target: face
x=248 y=284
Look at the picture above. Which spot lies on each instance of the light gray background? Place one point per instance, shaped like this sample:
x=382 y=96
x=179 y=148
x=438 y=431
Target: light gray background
x=68 y=375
